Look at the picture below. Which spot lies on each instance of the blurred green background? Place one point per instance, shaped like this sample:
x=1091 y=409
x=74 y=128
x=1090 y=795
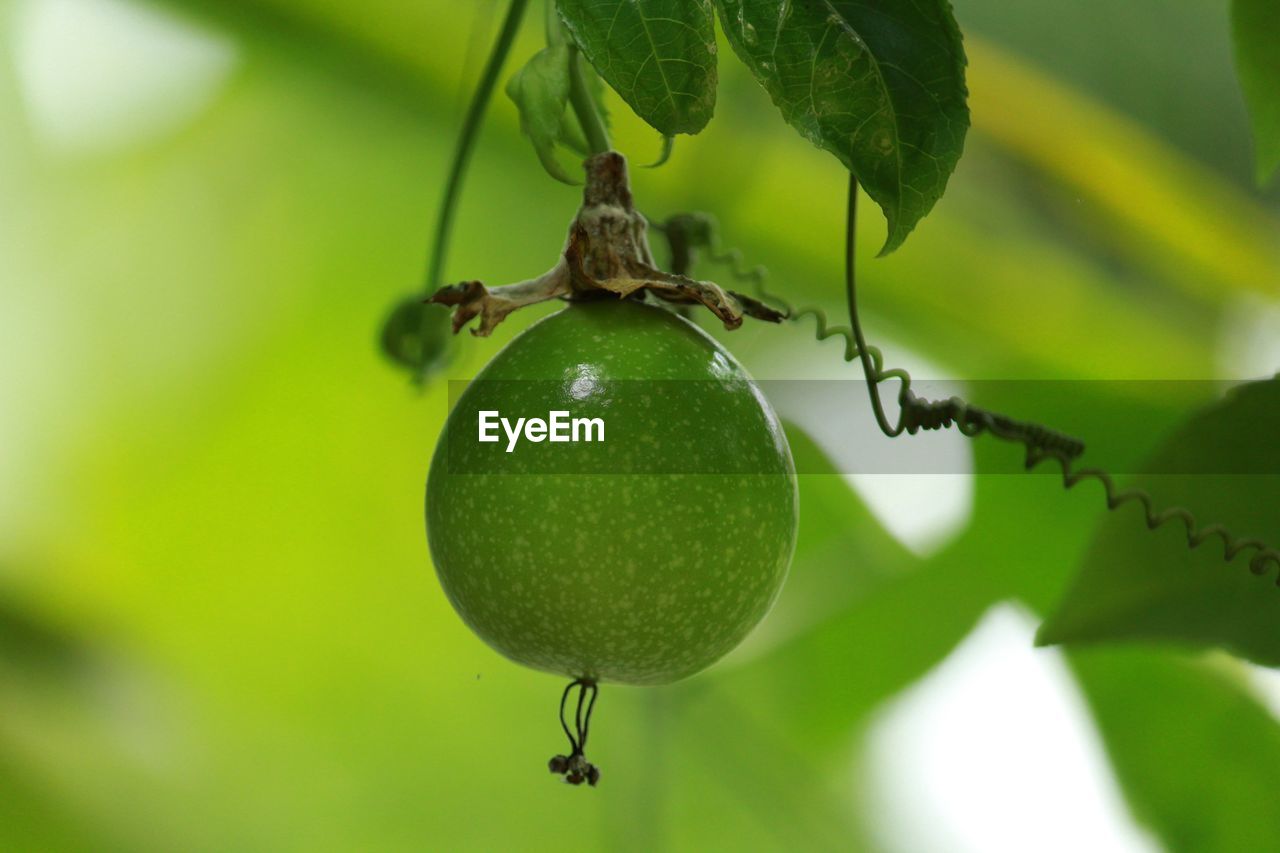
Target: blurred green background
x=219 y=626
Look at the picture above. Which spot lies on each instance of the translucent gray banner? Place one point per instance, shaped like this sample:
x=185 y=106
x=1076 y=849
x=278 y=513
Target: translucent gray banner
x=583 y=425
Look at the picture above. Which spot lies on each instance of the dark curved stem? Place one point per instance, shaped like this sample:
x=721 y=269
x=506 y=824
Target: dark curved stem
x=574 y=747
x=467 y=138
x=574 y=767
x=586 y=724
x=577 y=717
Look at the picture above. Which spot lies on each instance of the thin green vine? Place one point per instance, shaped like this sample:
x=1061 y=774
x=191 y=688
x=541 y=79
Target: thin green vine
x=467 y=138
x=580 y=99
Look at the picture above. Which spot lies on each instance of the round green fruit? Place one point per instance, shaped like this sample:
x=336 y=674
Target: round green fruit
x=642 y=558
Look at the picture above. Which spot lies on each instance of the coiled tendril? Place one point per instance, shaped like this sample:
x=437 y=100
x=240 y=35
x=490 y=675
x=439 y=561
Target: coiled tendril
x=688 y=233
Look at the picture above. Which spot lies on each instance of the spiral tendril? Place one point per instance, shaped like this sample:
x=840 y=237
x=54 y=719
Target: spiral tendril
x=689 y=233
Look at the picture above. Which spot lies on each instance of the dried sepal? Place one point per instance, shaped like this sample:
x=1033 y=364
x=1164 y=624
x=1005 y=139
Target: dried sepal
x=607 y=250
x=472 y=299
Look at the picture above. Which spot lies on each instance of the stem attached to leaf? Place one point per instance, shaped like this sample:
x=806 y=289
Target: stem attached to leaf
x=584 y=106
x=466 y=140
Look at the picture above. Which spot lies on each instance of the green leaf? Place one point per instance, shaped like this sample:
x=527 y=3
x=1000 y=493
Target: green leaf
x=1224 y=466
x=783 y=789
x=541 y=91
x=880 y=85
x=659 y=55
x=859 y=618
x=1197 y=756
x=1255 y=26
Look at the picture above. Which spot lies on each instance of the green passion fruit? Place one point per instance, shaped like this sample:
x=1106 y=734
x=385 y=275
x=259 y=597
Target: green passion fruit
x=642 y=555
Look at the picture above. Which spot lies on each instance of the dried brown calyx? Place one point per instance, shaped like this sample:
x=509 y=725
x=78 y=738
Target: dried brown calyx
x=607 y=251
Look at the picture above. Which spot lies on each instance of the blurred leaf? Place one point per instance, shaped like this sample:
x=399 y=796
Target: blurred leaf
x=29 y=645
x=1146 y=201
x=842 y=552
x=659 y=55
x=880 y=86
x=32 y=820
x=784 y=791
x=67 y=704
x=860 y=617
x=822 y=684
x=1223 y=465
x=1197 y=756
x=1255 y=25
x=541 y=91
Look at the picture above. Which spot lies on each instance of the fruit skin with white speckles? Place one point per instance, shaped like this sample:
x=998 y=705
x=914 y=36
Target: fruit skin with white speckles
x=643 y=577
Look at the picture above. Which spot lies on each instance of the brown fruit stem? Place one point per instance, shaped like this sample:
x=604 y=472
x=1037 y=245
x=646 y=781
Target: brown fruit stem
x=607 y=251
